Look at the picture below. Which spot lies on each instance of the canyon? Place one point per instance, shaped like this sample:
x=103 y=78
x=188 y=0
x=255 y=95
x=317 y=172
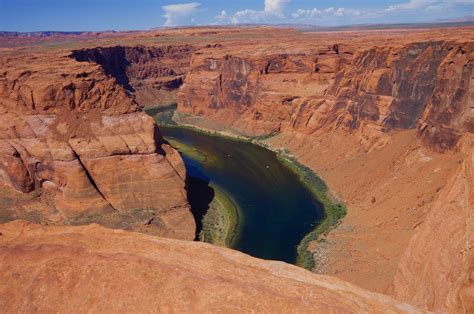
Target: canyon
x=386 y=118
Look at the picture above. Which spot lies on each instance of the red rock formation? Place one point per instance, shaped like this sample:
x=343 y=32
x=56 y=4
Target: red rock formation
x=93 y=269
x=70 y=131
x=448 y=114
x=257 y=93
x=152 y=74
x=382 y=116
x=437 y=269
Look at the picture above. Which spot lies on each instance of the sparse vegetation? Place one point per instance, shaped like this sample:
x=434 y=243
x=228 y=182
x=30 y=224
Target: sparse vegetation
x=221 y=220
x=334 y=210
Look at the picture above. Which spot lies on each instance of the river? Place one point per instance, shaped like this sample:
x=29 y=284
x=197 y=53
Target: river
x=275 y=209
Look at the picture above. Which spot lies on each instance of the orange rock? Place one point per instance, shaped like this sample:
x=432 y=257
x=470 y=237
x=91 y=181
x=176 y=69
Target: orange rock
x=69 y=130
x=378 y=114
x=437 y=268
x=94 y=269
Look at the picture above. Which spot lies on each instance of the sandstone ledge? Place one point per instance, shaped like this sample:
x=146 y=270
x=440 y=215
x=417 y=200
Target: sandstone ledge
x=94 y=269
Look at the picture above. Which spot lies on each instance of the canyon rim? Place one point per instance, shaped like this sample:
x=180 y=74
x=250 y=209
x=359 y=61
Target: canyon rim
x=94 y=200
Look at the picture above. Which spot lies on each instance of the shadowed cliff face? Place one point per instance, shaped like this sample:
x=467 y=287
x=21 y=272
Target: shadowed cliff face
x=72 y=136
x=449 y=113
x=420 y=86
x=152 y=74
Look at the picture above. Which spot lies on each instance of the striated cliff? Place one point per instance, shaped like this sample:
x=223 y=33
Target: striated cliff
x=437 y=269
x=69 y=133
x=422 y=85
x=116 y=270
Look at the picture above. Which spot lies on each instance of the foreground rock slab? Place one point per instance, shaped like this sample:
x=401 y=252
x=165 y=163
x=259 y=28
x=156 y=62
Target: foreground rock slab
x=94 y=269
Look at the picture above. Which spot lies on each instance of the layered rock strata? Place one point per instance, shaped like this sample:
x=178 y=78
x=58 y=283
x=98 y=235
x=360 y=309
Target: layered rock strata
x=384 y=117
x=437 y=269
x=69 y=132
x=422 y=86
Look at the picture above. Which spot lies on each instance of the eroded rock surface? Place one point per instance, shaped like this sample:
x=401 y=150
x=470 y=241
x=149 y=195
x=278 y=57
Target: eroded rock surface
x=421 y=85
x=116 y=271
x=437 y=269
x=384 y=117
x=68 y=131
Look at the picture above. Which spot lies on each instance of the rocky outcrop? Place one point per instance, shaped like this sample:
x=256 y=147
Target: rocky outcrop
x=152 y=74
x=400 y=87
x=449 y=113
x=70 y=133
x=122 y=271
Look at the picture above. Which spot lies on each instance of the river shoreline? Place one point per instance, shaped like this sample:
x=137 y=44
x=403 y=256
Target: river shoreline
x=334 y=209
x=221 y=220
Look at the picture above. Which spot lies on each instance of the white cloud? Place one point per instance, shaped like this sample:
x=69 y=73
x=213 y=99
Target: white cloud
x=428 y=4
x=177 y=14
x=274 y=10
x=275 y=7
x=412 y=5
x=315 y=14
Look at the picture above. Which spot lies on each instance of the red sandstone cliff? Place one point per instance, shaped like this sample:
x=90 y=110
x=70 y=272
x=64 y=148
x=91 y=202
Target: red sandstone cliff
x=417 y=85
x=437 y=269
x=69 y=131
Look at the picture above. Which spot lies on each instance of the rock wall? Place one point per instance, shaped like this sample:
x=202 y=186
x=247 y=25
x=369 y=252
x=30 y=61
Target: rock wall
x=151 y=74
x=421 y=85
x=71 y=134
x=256 y=93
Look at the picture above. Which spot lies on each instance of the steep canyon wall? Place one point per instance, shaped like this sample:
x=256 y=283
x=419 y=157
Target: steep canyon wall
x=422 y=85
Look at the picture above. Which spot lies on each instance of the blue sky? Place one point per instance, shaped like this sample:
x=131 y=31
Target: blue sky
x=73 y=15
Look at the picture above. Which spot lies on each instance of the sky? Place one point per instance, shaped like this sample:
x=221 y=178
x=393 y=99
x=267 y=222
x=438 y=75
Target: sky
x=98 y=15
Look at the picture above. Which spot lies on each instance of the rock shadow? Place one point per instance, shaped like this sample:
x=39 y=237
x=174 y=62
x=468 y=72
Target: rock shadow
x=200 y=195
x=112 y=59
